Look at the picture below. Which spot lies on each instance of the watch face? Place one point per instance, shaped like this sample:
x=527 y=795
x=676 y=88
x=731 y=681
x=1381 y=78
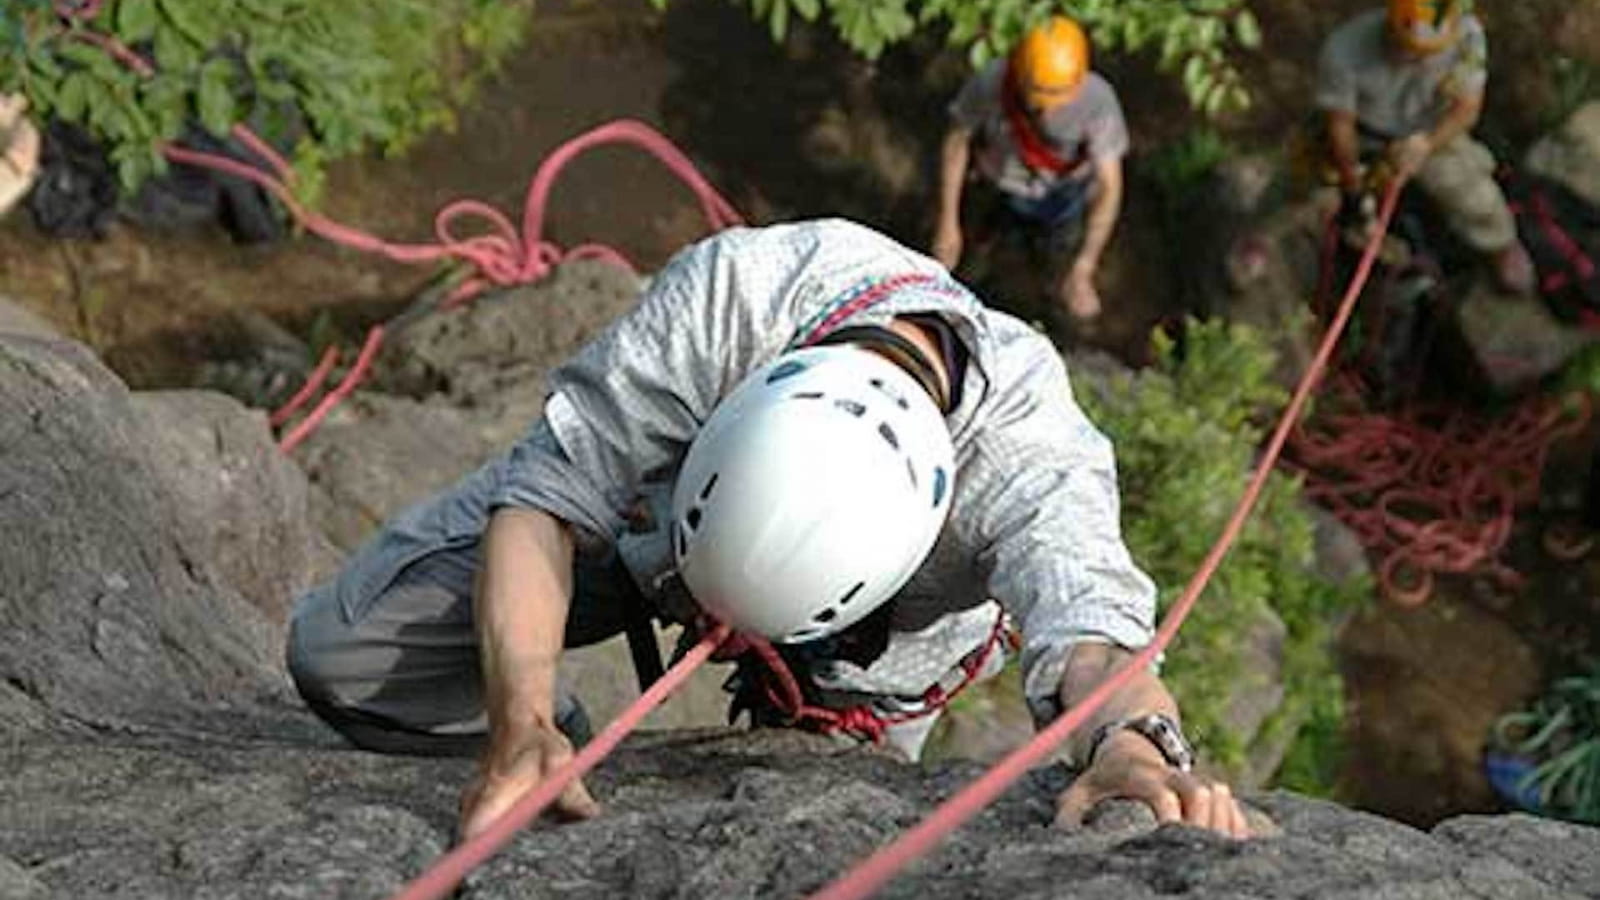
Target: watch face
x=1167 y=737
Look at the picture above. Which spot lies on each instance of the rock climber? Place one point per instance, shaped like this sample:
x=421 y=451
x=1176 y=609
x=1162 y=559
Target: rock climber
x=19 y=151
x=1404 y=86
x=814 y=434
x=1048 y=135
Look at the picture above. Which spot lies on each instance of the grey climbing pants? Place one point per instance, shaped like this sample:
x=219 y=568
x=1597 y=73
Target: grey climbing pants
x=400 y=674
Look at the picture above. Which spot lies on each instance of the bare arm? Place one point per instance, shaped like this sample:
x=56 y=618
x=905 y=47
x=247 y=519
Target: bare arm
x=1089 y=665
x=1103 y=213
x=1344 y=145
x=520 y=613
x=1460 y=119
x=953 y=161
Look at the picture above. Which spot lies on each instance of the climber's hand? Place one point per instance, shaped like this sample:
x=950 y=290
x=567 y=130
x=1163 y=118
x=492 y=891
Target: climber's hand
x=1128 y=766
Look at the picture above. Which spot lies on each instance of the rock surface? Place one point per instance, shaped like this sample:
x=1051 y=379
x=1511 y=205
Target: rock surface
x=111 y=614
x=1571 y=154
x=244 y=503
x=691 y=815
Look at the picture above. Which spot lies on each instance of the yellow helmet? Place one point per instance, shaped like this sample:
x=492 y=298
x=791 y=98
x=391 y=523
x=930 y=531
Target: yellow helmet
x=1425 y=27
x=1050 y=63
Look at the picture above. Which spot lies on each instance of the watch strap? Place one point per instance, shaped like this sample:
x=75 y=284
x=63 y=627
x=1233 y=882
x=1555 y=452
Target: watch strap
x=1159 y=729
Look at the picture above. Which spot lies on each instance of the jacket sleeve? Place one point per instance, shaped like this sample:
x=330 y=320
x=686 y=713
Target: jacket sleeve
x=1050 y=531
x=628 y=403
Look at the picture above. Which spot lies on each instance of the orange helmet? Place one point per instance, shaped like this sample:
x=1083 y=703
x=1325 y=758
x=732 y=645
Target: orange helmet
x=1051 y=61
x=1425 y=27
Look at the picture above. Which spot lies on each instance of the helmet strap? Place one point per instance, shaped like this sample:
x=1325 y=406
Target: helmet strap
x=899 y=351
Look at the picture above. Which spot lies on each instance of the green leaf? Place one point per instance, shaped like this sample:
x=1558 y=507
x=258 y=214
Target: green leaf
x=780 y=20
x=174 y=52
x=137 y=20
x=808 y=9
x=73 y=100
x=1246 y=30
x=214 y=97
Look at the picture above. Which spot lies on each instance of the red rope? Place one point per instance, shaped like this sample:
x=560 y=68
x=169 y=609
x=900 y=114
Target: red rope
x=442 y=877
x=876 y=871
x=1432 y=494
x=500 y=256
x=862 y=720
x=1425 y=492
x=308 y=390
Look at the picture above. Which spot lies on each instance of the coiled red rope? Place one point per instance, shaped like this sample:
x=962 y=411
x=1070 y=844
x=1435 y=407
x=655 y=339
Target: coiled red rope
x=498 y=256
x=1426 y=492
x=876 y=871
x=1429 y=495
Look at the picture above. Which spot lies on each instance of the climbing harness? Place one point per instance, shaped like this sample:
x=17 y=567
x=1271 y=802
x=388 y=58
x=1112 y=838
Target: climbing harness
x=867 y=721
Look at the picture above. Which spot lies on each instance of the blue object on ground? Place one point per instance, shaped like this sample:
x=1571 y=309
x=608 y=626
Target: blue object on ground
x=1507 y=774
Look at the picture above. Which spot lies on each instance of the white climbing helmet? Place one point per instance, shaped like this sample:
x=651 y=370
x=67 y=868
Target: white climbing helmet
x=812 y=494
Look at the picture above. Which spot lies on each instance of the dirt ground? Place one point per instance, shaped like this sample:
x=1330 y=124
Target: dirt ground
x=800 y=130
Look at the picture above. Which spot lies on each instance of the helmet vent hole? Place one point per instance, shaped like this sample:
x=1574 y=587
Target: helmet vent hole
x=705 y=492
x=807 y=395
x=851 y=407
x=693 y=518
x=939 y=485
x=851 y=594
x=786 y=370
x=911 y=470
x=826 y=616
x=889 y=435
x=889 y=392
x=681 y=540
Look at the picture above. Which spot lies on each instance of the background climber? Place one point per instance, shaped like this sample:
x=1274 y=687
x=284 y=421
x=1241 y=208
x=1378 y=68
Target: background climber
x=651 y=468
x=19 y=151
x=1048 y=134
x=1404 y=86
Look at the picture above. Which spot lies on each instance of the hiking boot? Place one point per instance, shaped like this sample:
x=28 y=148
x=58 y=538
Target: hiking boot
x=1513 y=269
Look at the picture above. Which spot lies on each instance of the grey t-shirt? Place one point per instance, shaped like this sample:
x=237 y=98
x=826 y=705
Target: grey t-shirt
x=1389 y=94
x=1090 y=127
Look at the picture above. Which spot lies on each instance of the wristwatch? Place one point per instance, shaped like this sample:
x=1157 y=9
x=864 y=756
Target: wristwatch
x=1158 y=728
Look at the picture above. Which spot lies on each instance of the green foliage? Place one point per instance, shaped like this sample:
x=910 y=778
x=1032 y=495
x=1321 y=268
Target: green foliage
x=1195 y=39
x=343 y=76
x=1182 y=165
x=1186 y=433
x=1561 y=733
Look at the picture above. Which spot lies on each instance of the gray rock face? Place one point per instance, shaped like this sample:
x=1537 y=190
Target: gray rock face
x=244 y=504
x=1511 y=343
x=449 y=391
x=16 y=320
x=1571 y=154
x=109 y=616
x=691 y=815
x=491 y=357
